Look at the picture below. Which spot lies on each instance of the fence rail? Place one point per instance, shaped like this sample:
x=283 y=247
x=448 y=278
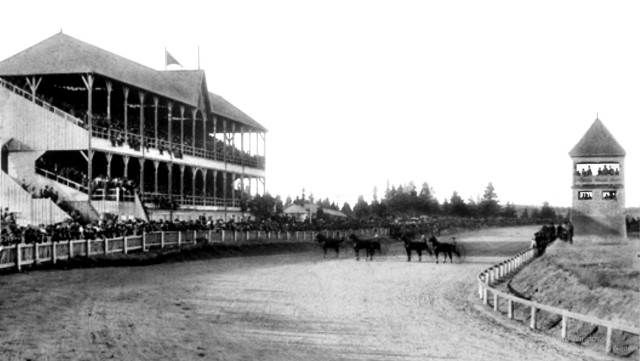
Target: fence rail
x=512 y=265
x=16 y=256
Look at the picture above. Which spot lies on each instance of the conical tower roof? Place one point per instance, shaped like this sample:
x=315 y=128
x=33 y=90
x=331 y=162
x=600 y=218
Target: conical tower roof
x=597 y=142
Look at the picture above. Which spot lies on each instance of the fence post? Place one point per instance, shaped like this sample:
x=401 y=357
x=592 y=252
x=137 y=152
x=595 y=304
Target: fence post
x=124 y=242
x=18 y=256
x=563 y=332
x=222 y=235
x=607 y=346
x=53 y=252
x=479 y=289
x=161 y=240
x=195 y=236
x=179 y=238
x=88 y=246
x=70 y=249
x=510 y=309
x=495 y=301
x=533 y=317
x=485 y=295
x=235 y=236
x=35 y=253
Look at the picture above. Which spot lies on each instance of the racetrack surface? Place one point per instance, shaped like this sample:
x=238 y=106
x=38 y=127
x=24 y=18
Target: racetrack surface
x=283 y=307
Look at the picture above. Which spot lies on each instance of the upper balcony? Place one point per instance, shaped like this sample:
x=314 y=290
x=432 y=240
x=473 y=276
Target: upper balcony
x=597 y=179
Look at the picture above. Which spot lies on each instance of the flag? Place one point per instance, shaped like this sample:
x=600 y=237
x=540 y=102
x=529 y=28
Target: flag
x=169 y=59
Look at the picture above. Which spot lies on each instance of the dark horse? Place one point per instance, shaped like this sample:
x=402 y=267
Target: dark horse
x=446 y=248
x=327 y=243
x=369 y=245
x=411 y=245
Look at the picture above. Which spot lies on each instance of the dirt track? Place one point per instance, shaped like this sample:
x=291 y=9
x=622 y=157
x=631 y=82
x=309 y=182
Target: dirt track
x=287 y=307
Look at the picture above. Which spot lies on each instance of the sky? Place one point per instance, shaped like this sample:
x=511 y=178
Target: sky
x=360 y=94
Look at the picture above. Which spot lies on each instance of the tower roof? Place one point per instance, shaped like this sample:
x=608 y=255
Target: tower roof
x=597 y=142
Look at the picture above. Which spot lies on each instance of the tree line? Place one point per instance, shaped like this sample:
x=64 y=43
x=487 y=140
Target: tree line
x=407 y=201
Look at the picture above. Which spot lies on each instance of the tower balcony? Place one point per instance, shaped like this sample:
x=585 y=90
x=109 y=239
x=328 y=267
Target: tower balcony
x=597 y=179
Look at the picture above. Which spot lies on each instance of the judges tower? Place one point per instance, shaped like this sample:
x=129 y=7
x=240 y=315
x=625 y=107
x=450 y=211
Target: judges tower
x=598 y=184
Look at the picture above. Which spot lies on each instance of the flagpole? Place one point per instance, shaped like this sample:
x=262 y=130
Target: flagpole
x=198 y=57
x=165 y=58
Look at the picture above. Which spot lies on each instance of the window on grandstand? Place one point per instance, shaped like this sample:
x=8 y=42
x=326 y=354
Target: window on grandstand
x=585 y=195
x=610 y=195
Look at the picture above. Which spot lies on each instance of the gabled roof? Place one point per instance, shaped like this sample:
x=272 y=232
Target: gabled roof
x=222 y=107
x=295 y=209
x=63 y=54
x=597 y=142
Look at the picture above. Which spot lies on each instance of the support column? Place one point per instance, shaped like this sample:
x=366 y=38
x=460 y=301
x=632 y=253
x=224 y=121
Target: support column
x=109 y=157
x=224 y=192
x=109 y=87
x=204 y=183
x=156 y=163
x=242 y=157
x=34 y=83
x=125 y=159
x=204 y=131
x=225 y=141
x=215 y=183
x=233 y=191
x=182 y=182
x=125 y=91
x=193 y=182
x=170 y=175
x=169 y=125
x=88 y=82
x=155 y=121
x=142 y=142
x=194 y=112
x=141 y=161
x=182 y=130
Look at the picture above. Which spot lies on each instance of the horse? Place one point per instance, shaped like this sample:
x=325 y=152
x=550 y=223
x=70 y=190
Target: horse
x=327 y=243
x=418 y=246
x=369 y=245
x=446 y=248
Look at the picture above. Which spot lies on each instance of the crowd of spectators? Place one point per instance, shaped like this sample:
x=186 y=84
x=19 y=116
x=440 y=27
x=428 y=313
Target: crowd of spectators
x=118 y=136
x=112 y=228
x=602 y=171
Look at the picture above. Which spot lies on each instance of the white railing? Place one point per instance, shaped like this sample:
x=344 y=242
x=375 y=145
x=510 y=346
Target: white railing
x=19 y=255
x=62 y=180
x=512 y=265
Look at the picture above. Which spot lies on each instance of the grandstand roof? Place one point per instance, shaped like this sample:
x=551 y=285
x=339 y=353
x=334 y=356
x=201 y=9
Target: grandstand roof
x=597 y=142
x=63 y=54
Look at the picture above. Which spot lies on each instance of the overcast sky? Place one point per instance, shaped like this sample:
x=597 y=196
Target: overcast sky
x=354 y=93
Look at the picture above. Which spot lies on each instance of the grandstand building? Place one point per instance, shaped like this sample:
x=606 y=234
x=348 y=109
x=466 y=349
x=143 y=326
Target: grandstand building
x=87 y=133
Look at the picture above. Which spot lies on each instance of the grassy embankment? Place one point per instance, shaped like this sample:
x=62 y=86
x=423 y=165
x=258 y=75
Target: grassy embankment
x=593 y=279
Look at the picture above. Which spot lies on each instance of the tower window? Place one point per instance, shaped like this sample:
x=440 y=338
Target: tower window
x=585 y=195
x=609 y=195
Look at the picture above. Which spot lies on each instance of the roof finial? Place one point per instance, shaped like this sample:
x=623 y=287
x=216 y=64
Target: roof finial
x=60 y=30
x=597 y=116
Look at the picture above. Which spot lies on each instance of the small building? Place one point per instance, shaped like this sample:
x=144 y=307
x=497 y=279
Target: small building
x=598 y=184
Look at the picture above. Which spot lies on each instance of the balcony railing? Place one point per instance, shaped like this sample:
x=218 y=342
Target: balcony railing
x=597 y=179
x=189 y=201
x=249 y=161
x=62 y=180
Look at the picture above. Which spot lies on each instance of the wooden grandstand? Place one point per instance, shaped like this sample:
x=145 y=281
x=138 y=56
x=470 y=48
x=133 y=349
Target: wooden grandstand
x=110 y=136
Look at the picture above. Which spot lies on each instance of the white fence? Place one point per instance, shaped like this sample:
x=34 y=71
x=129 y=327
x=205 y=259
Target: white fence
x=503 y=269
x=19 y=255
